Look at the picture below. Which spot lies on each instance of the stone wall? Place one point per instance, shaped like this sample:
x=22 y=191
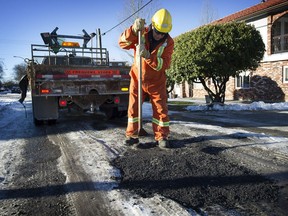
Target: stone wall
x=266 y=84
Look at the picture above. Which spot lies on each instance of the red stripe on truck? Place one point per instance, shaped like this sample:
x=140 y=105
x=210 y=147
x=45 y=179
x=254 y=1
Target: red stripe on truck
x=70 y=76
x=91 y=72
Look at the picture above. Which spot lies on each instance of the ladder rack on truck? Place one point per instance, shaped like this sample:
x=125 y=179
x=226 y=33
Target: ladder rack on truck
x=63 y=74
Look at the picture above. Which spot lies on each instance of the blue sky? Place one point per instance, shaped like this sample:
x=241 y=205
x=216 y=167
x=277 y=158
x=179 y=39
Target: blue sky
x=22 y=21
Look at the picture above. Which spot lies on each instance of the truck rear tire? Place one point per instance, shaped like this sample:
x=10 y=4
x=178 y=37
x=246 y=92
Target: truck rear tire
x=110 y=112
x=122 y=114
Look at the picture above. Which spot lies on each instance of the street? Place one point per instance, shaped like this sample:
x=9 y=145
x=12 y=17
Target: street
x=220 y=163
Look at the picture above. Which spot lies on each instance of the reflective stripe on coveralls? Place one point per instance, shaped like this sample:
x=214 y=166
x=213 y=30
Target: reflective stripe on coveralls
x=159 y=53
x=159 y=56
x=160 y=123
x=133 y=120
x=154 y=120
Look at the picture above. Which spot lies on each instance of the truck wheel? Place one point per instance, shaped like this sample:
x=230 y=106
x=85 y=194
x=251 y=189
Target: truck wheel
x=52 y=121
x=110 y=112
x=122 y=114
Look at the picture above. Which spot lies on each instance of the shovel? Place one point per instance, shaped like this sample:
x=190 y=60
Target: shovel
x=141 y=131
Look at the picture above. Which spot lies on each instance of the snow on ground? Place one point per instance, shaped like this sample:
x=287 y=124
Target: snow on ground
x=98 y=154
x=234 y=106
x=10 y=148
x=238 y=107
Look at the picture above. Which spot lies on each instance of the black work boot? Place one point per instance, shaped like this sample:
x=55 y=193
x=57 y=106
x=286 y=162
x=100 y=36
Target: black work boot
x=163 y=143
x=131 y=141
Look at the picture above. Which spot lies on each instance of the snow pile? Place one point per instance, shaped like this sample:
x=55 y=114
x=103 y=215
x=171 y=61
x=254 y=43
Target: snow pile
x=238 y=107
x=255 y=106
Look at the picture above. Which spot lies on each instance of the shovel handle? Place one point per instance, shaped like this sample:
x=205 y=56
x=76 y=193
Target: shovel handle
x=139 y=66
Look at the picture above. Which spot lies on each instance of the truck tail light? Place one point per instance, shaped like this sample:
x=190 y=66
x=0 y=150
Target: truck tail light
x=116 y=100
x=62 y=102
x=45 y=91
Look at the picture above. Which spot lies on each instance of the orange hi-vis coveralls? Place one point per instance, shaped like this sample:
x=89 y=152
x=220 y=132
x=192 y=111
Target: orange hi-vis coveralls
x=153 y=81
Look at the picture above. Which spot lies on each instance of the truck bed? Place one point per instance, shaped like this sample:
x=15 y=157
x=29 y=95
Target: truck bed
x=75 y=80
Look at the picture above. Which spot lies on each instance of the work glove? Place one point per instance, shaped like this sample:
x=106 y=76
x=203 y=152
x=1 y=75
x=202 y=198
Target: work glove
x=142 y=51
x=139 y=25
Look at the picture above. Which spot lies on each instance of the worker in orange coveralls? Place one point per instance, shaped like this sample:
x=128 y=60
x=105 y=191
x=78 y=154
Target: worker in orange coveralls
x=156 y=53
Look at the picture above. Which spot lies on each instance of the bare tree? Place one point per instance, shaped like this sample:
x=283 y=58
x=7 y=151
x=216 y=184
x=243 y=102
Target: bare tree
x=209 y=14
x=1 y=69
x=131 y=7
x=19 y=71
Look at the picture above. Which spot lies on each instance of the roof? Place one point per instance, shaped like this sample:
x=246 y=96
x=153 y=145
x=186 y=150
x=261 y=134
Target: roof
x=256 y=10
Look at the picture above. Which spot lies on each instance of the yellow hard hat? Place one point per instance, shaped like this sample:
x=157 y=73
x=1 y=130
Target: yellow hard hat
x=162 y=21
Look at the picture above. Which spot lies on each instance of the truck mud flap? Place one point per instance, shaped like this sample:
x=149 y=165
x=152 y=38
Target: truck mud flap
x=45 y=109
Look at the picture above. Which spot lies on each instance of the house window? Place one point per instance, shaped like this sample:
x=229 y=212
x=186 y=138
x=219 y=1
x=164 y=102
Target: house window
x=280 y=35
x=285 y=74
x=243 y=80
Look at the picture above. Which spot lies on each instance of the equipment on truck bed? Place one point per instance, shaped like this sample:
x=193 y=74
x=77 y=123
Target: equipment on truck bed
x=65 y=75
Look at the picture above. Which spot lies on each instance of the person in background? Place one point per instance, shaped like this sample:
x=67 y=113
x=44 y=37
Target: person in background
x=156 y=52
x=23 y=85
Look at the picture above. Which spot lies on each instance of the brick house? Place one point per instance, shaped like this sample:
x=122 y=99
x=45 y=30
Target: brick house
x=270 y=81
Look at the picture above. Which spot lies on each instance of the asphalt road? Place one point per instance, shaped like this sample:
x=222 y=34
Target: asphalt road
x=207 y=171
